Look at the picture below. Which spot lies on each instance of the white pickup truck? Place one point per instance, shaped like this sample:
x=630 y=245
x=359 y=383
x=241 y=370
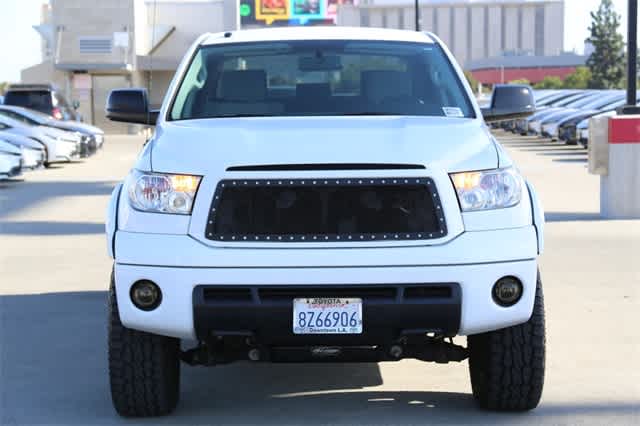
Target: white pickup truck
x=323 y=194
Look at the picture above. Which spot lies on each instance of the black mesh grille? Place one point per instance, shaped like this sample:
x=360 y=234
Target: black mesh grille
x=352 y=209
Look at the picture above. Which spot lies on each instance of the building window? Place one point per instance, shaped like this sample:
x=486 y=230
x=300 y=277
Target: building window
x=520 y=28
x=364 y=17
x=503 y=29
x=486 y=31
x=539 y=31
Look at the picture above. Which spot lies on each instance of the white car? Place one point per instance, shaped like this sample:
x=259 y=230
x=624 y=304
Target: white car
x=60 y=146
x=33 y=154
x=323 y=194
x=10 y=160
x=92 y=137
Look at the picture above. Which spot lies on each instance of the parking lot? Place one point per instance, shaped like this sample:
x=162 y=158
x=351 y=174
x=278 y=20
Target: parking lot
x=53 y=318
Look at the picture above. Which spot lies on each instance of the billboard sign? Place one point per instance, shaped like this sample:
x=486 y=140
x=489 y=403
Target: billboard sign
x=264 y=13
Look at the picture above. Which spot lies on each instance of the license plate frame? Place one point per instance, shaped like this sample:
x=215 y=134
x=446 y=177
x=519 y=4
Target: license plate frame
x=326 y=315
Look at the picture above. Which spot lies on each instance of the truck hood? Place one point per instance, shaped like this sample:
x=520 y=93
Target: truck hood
x=211 y=145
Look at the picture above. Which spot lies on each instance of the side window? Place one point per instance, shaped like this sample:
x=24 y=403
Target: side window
x=192 y=83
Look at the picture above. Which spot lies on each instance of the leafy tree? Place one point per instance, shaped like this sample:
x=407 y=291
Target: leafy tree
x=472 y=81
x=579 y=79
x=550 y=82
x=607 y=62
x=520 y=81
x=3 y=87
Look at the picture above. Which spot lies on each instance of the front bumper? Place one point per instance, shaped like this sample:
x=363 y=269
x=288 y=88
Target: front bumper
x=472 y=262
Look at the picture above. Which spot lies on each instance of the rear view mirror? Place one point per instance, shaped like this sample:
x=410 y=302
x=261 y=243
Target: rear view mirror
x=130 y=106
x=319 y=63
x=509 y=102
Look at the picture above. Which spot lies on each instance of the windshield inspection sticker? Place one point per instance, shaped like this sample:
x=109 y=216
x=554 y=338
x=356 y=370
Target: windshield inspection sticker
x=452 y=112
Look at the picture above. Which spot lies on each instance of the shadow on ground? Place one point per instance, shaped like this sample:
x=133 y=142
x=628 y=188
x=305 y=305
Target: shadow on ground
x=16 y=196
x=54 y=357
x=50 y=228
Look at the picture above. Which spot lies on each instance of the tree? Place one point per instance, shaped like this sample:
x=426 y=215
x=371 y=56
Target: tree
x=3 y=87
x=579 y=79
x=607 y=62
x=520 y=81
x=550 y=82
x=472 y=81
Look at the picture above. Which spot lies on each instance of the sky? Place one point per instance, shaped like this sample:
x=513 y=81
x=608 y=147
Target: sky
x=20 y=43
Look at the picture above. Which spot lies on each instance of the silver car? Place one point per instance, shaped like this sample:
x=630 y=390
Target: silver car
x=92 y=137
x=59 y=145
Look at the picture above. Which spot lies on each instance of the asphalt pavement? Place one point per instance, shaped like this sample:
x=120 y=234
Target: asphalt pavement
x=53 y=355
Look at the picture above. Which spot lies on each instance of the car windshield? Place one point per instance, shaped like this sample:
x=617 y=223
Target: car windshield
x=18 y=117
x=39 y=100
x=328 y=77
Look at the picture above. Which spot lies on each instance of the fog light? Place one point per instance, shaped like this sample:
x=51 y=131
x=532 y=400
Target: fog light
x=507 y=291
x=146 y=295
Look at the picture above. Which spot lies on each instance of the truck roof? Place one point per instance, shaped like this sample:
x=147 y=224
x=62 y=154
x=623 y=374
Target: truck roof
x=316 y=33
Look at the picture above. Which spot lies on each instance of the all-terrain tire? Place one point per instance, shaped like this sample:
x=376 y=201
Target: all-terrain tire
x=507 y=365
x=144 y=368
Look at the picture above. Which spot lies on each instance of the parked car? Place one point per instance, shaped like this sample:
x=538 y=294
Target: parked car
x=551 y=123
x=59 y=145
x=33 y=153
x=522 y=125
x=10 y=160
x=92 y=137
x=41 y=97
x=535 y=121
x=370 y=219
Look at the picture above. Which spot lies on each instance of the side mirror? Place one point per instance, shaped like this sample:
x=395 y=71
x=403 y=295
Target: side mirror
x=509 y=102
x=76 y=104
x=130 y=106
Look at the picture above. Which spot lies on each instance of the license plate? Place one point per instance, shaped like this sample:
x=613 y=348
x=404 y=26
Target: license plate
x=327 y=315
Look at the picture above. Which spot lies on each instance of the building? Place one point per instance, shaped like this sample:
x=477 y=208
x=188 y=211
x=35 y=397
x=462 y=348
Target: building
x=503 y=69
x=89 y=48
x=473 y=29
x=92 y=47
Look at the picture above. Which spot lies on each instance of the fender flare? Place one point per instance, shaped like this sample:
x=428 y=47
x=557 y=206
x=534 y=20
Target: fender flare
x=537 y=214
x=111 y=224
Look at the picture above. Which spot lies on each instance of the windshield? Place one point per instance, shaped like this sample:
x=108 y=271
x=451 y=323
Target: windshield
x=302 y=78
x=18 y=117
x=39 y=100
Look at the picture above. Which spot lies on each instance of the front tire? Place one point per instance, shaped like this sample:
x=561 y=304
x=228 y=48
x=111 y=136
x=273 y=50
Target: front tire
x=507 y=365
x=144 y=368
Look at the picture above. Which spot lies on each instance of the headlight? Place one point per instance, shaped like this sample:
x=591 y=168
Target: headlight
x=490 y=189
x=162 y=193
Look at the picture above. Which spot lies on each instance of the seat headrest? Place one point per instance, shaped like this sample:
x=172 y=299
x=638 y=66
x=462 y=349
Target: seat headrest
x=379 y=84
x=313 y=90
x=248 y=85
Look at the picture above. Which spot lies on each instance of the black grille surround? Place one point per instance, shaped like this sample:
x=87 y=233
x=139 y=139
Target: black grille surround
x=326 y=210
x=265 y=312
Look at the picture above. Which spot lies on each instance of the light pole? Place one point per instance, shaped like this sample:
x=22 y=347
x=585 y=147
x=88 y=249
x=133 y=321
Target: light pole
x=416 y=8
x=632 y=58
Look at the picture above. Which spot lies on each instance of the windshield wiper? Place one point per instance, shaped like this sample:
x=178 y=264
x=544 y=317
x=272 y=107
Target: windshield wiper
x=370 y=113
x=240 y=115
